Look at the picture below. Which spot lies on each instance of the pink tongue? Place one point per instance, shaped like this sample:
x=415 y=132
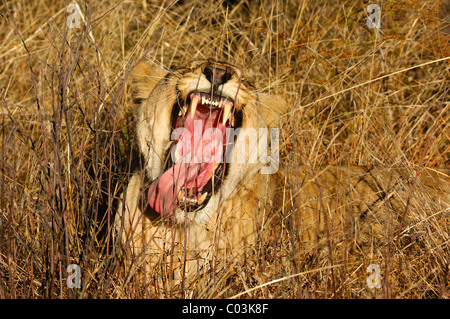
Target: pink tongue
x=193 y=170
x=163 y=192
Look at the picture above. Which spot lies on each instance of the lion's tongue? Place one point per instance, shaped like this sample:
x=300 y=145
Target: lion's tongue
x=195 y=168
x=163 y=192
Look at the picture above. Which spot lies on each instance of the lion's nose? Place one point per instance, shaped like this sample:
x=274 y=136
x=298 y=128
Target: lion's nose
x=216 y=76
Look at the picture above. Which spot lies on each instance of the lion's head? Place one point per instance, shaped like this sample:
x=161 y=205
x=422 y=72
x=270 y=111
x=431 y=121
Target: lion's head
x=189 y=125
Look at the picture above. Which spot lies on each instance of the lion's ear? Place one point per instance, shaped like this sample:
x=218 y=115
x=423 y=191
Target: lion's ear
x=145 y=77
x=274 y=106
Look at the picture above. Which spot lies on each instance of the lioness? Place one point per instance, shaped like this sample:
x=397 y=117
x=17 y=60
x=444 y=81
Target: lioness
x=194 y=200
x=198 y=192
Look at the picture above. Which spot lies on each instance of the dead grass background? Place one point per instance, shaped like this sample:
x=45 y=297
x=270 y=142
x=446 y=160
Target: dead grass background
x=358 y=96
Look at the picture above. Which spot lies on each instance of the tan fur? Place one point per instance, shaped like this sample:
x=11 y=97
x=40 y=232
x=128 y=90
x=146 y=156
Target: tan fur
x=362 y=206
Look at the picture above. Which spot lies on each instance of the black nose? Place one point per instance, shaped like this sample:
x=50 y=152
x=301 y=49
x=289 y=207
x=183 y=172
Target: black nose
x=216 y=76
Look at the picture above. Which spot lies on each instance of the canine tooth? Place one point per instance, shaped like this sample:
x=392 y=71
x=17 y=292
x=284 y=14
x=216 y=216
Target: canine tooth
x=194 y=103
x=202 y=198
x=220 y=104
x=232 y=122
x=213 y=171
x=180 y=195
x=182 y=111
x=226 y=112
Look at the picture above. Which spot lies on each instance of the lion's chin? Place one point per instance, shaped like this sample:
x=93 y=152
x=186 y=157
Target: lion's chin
x=195 y=165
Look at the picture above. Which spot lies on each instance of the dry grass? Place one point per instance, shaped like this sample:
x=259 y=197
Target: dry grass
x=357 y=96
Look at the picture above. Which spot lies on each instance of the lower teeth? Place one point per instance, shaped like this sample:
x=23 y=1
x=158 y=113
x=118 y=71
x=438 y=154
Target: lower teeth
x=199 y=200
x=202 y=198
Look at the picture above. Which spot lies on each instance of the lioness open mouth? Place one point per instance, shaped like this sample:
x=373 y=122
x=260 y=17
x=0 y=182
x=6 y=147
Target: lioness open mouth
x=196 y=160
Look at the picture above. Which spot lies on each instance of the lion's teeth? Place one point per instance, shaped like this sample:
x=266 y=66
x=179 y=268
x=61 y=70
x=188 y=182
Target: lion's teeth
x=180 y=195
x=207 y=101
x=182 y=111
x=202 y=198
x=226 y=112
x=194 y=102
